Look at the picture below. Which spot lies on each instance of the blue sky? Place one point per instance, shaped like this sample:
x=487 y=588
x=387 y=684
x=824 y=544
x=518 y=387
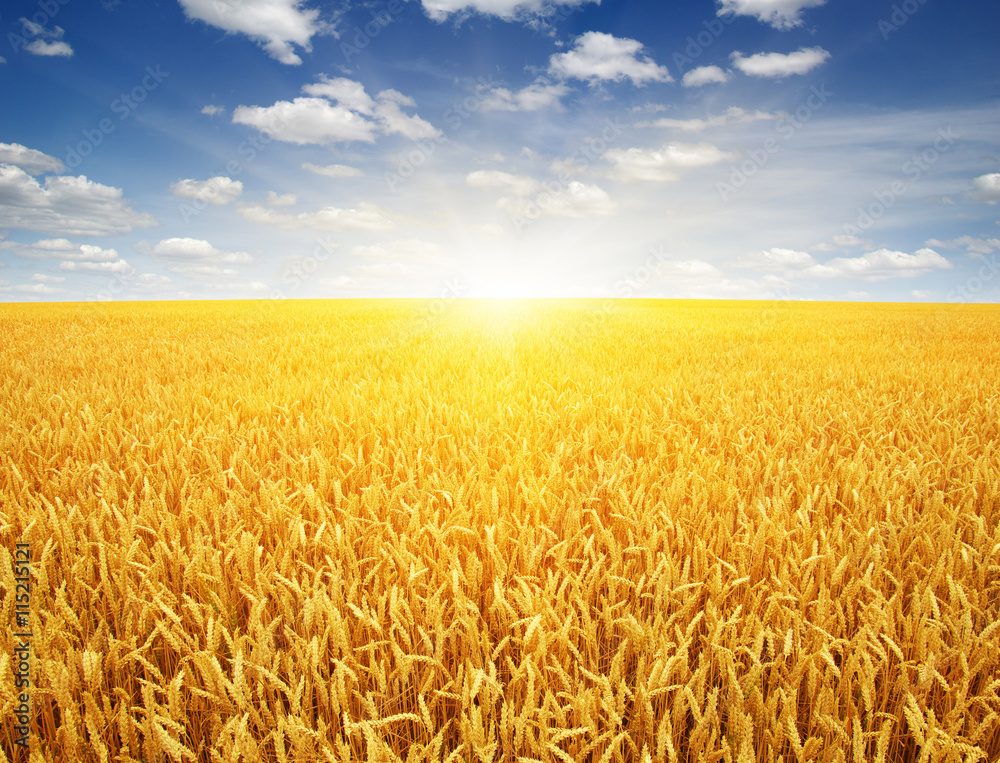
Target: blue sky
x=739 y=149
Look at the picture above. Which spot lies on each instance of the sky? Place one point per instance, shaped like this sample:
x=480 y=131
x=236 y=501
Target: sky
x=721 y=149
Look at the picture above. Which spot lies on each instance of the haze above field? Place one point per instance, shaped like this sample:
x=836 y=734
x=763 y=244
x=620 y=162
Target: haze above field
x=790 y=149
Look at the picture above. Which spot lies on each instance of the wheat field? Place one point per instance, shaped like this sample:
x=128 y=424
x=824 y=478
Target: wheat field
x=558 y=531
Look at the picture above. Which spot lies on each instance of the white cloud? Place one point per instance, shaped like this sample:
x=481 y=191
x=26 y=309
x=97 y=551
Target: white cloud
x=28 y=159
x=334 y=170
x=121 y=267
x=534 y=97
x=987 y=188
x=48 y=42
x=381 y=270
x=3 y=60
x=781 y=14
x=880 y=265
x=306 y=120
x=439 y=10
x=204 y=271
x=348 y=93
x=732 y=115
x=409 y=250
x=365 y=217
x=191 y=250
x=697 y=279
x=974 y=247
x=216 y=191
x=598 y=56
x=64 y=205
x=392 y=120
x=43 y=278
x=351 y=116
x=519 y=185
x=575 y=200
x=277 y=25
x=37 y=288
x=847 y=241
x=774 y=260
x=59 y=249
x=55 y=48
x=921 y=293
x=660 y=164
x=213 y=111
x=487 y=230
x=780 y=64
x=705 y=75
x=284 y=200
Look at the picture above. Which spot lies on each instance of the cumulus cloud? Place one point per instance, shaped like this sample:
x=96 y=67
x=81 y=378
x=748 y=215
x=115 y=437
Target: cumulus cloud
x=705 y=75
x=59 y=249
x=534 y=97
x=189 y=250
x=203 y=271
x=333 y=170
x=119 y=267
x=597 y=56
x=307 y=120
x=277 y=25
x=974 y=247
x=336 y=110
x=509 y=10
x=37 y=288
x=519 y=185
x=212 y=111
x=46 y=48
x=847 y=241
x=987 y=188
x=732 y=115
x=773 y=260
x=28 y=159
x=47 y=42
x=283 y=200
x=781 y=14
x=576 y=199
x=408 y=250
x=216 y=191
x=661 y=164
x=881 y=265
x=43 y=278
x=780 y=65
x=392 y=120
x=66 y=206
x=366 y=217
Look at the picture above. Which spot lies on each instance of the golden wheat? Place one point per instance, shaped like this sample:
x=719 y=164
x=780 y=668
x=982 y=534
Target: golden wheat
x=356 y=531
